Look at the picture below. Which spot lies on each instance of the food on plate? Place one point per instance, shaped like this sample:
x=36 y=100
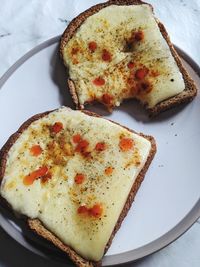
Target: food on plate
x=74 y=176
x=118 y=50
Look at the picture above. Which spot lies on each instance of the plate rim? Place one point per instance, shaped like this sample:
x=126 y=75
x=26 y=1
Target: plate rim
x=132 y=255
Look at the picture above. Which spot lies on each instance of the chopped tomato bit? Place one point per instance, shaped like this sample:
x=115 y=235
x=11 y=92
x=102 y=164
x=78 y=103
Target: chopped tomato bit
x=57 y=127
x=98 y=81
x=31 y=177
x=139 y=36
x=81 y=146
x=92 y=46
x=140 y=74
x=109 y=170
x=96 y=211
x=79 y=178
x=83 y=210
x=130 y=65
x=36 y=150
x=126 y=144
x=101 y=146
x=106 y=55
x=74 y=50
x=76 y=138
x=107 y=99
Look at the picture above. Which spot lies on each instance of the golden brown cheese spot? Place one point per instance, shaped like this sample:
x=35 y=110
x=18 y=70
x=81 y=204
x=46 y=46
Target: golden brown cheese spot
x=135 y=159
x=139 y=36
x=154 y=73
x=10 y=185
x=74 y=51
x=44 y=179
x=56 y=154
x=133 y=40
x=144 y=87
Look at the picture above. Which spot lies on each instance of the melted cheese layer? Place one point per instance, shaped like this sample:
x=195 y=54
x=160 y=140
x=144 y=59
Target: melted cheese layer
x=56 y=202
x=109 y=28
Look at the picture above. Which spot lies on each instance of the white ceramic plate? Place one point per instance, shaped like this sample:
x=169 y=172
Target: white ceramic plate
x=167 y=203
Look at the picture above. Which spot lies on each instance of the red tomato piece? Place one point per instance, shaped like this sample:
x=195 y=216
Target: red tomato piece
x=99 y=81
x=36 y=150
x=82 y=145
x=96 y=211
x=109 y=170
x=130 y=65
x=76 y=138
x=57 y=127
x=79 y=178
x=106 y=55
x=92 y=46
x=140 y=74
x=101 y=146
x=31 y=177
x=82 y=210
x=126 y=144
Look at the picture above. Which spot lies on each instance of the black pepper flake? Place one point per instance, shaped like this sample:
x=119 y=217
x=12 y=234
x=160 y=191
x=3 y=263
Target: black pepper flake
x=172 y=80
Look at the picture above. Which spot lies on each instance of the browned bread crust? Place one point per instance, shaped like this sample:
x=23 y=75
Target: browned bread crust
x=39 y=228
x=187 y=95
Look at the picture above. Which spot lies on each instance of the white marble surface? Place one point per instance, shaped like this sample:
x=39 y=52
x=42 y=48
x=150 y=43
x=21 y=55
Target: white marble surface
x=23 y=25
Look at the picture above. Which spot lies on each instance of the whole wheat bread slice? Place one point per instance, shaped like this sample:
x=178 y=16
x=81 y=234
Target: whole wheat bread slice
x=187 y=95
x=39 y=228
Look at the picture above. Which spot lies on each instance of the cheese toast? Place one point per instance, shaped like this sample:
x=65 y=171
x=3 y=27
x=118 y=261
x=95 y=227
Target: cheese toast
x=74 y=176
x=118 y=50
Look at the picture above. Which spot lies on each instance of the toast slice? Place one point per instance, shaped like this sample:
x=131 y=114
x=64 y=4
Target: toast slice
x=117 y=50
x=74 y=176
